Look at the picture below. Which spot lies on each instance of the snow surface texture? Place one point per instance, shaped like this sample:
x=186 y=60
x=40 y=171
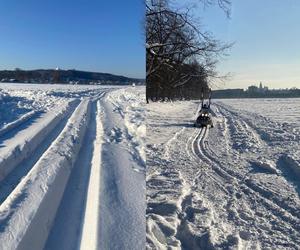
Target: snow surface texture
x=234 y=186
x=11 y=107
x=72 y=167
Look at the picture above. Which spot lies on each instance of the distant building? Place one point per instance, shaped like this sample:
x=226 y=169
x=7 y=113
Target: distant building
x=252 y=89
x=256 y=91
x=262 y=89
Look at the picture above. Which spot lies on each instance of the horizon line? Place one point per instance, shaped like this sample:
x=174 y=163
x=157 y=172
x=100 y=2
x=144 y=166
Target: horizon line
x=90 y=71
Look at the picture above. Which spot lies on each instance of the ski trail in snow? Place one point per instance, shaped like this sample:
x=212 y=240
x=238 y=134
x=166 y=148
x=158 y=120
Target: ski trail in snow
x=275 y=206
x=200 y=148
x=53 y=193
x=197 y=147
x=264 y=192
x=224 y=182
x=77 y=206
x=24 y=143
x=234 y=176
x=89 y=238
x=188 y=145
x=31 y=207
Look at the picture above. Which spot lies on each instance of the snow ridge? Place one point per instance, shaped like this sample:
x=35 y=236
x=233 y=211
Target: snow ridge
x=30 y=209
x=16 y=154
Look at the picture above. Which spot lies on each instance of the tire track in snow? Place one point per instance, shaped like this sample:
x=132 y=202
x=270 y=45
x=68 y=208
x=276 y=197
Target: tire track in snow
x=248 y=138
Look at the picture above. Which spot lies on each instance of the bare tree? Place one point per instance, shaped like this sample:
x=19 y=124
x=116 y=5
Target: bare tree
x=225 y=5
x=178 y=52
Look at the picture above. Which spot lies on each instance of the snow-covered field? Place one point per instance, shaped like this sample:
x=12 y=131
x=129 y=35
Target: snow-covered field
x=234 y=186
x=281 y=110
x=72 y=167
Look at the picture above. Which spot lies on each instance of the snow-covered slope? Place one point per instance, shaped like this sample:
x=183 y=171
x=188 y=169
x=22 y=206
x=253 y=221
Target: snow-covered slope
x=234 y=186
x=72 y=167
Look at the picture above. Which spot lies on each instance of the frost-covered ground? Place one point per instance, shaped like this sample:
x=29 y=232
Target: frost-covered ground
x=234 y=186
x=72 y=167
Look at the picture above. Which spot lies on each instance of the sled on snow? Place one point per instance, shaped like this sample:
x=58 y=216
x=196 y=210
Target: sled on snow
x=204 y=116
x=203 y=120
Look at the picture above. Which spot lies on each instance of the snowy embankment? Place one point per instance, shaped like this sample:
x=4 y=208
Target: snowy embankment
x=123 y=176
x=31 y=208
x=10 y=126
x=11 y=108
x=234 y=186
x=72 y=173
x=130 y=106
x=27 y=142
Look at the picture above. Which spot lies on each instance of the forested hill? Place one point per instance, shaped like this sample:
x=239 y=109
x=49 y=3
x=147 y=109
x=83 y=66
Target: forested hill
x=65 y=76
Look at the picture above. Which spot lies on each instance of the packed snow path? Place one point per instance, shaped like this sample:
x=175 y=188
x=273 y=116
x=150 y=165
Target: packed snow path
x=234 y=186
x=72 y=168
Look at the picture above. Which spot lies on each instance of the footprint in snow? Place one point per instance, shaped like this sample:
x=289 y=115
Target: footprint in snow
x=115 y=135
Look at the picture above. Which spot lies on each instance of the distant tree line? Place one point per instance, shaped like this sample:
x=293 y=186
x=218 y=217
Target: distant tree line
x=64 y=76
x=271 y=93
x=181 y=58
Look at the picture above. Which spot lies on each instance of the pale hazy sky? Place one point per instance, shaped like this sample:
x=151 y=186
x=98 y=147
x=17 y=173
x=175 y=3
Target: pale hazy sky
x=267 y=42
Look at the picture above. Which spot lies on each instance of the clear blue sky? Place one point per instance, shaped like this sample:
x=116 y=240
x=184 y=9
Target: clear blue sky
x=267 y=41
x=94 y=35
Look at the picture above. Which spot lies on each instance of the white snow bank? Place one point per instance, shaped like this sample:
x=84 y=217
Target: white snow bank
x=130 y=103
x=11 y=157
x=122 y=198
x=30 y=209
x=11 y=107
x=8 y=127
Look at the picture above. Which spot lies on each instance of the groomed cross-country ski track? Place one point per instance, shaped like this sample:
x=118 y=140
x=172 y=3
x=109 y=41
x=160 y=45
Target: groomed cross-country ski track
x=234 y=186
x=72 y=167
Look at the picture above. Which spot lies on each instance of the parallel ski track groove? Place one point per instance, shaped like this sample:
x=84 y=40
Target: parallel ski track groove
x=257 y=188
x=199 y=148
x=198 y=153
x=79 y=192
x=10 y=182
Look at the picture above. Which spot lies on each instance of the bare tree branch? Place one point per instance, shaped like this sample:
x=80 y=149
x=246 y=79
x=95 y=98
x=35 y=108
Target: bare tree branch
x=178 y=52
